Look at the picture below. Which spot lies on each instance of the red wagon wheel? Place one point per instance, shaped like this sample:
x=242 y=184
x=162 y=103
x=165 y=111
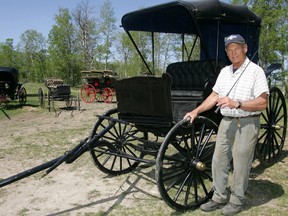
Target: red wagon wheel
x=99 y=95
x=88 y=93
x=107 y=95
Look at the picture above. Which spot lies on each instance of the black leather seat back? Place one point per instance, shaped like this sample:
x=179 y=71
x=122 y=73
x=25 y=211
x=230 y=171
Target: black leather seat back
x=145 y=99
x=192 y=82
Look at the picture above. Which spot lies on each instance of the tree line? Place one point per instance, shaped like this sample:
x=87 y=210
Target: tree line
x=82 y=39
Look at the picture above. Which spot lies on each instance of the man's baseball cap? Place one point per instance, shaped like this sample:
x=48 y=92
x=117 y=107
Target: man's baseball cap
x=234 y=38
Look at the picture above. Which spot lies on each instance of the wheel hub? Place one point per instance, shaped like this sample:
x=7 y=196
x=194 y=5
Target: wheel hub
x=120 y=142
x=199 y=165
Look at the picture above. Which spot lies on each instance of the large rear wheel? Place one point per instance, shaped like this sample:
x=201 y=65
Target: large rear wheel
x=273 y=128
x=183 y=165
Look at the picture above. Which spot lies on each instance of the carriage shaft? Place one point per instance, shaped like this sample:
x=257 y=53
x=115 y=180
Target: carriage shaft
x=27 y=173
x=68 y=157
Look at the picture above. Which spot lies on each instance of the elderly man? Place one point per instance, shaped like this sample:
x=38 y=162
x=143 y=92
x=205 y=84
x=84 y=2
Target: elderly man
x=239 y=128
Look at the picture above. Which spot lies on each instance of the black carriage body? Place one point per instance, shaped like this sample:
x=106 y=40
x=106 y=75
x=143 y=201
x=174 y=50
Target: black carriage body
x=9 y=85
x=57 y=91
x=210 y=21
x=57 y=88
x=8 y=81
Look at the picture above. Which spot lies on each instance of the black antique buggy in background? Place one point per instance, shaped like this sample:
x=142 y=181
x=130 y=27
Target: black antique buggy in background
x=98 y=86
x=58 y=91
x=10 y=88
x=147 y=122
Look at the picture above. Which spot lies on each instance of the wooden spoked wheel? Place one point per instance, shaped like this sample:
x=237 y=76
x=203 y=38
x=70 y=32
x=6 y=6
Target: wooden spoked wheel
x=116 y=151
x=41 y=97
x=50 y=98
x=273 y=128
x=183 y=165
x=107 y=95
x=77 y=103
x=99 y=95
x=88 y=93
x=69 y=102
x=22 y=96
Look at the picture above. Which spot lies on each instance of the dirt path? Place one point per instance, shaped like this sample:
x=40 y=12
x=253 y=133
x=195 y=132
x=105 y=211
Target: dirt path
x=72 y=189
x=35 y=137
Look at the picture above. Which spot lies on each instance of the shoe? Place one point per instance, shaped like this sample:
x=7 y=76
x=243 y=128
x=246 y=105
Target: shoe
x=211 y=206
x=231 y=209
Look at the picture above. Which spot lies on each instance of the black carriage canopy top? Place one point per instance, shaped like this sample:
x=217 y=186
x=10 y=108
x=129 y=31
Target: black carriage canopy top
x=211 y=20
x=9 y=74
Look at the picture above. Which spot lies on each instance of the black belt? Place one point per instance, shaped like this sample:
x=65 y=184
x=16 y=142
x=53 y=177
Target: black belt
x=241 y=117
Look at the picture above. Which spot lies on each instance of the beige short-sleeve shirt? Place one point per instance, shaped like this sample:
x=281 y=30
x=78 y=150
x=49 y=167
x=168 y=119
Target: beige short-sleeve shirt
x=251 y=85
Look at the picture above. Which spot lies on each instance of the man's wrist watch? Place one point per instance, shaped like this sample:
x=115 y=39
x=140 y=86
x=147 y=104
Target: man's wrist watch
x=239 y=105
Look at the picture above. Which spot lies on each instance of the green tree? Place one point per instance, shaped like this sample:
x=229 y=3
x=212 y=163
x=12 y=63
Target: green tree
x=133 y=62
x=7 y=53
x=32 y=45
x=129 y=60
x=273 y=38
x=63 y=50
x=86 y=32
x=107 y=32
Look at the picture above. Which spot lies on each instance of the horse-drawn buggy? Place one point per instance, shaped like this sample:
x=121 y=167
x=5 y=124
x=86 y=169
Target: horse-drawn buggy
x=147 y=122
x=98 y=86
x=57 y=91
x=10 y=88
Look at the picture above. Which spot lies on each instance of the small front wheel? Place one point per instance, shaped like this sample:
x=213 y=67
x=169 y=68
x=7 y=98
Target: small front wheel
x=22 y=96
x=118 y=150
x=41 y=98
x=88 y=93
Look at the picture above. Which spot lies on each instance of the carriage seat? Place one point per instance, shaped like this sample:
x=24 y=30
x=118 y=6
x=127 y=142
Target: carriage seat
x=144 y=100
x=57 y=87
x=190 y=78
x=192 y=82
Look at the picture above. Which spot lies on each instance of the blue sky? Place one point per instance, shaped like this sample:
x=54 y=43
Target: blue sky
x=17 y=16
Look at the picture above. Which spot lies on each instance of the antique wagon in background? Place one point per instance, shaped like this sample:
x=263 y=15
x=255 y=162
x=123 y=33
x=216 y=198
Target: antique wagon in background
x=57 y=92
x=10 y=88
x=147 y=122
x=98 y=86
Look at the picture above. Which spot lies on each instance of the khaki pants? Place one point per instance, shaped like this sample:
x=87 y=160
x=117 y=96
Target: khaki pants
x=236 y=138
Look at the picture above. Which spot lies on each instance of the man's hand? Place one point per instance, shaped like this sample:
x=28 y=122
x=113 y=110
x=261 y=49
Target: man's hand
x=191 y=116
x=227 y=102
